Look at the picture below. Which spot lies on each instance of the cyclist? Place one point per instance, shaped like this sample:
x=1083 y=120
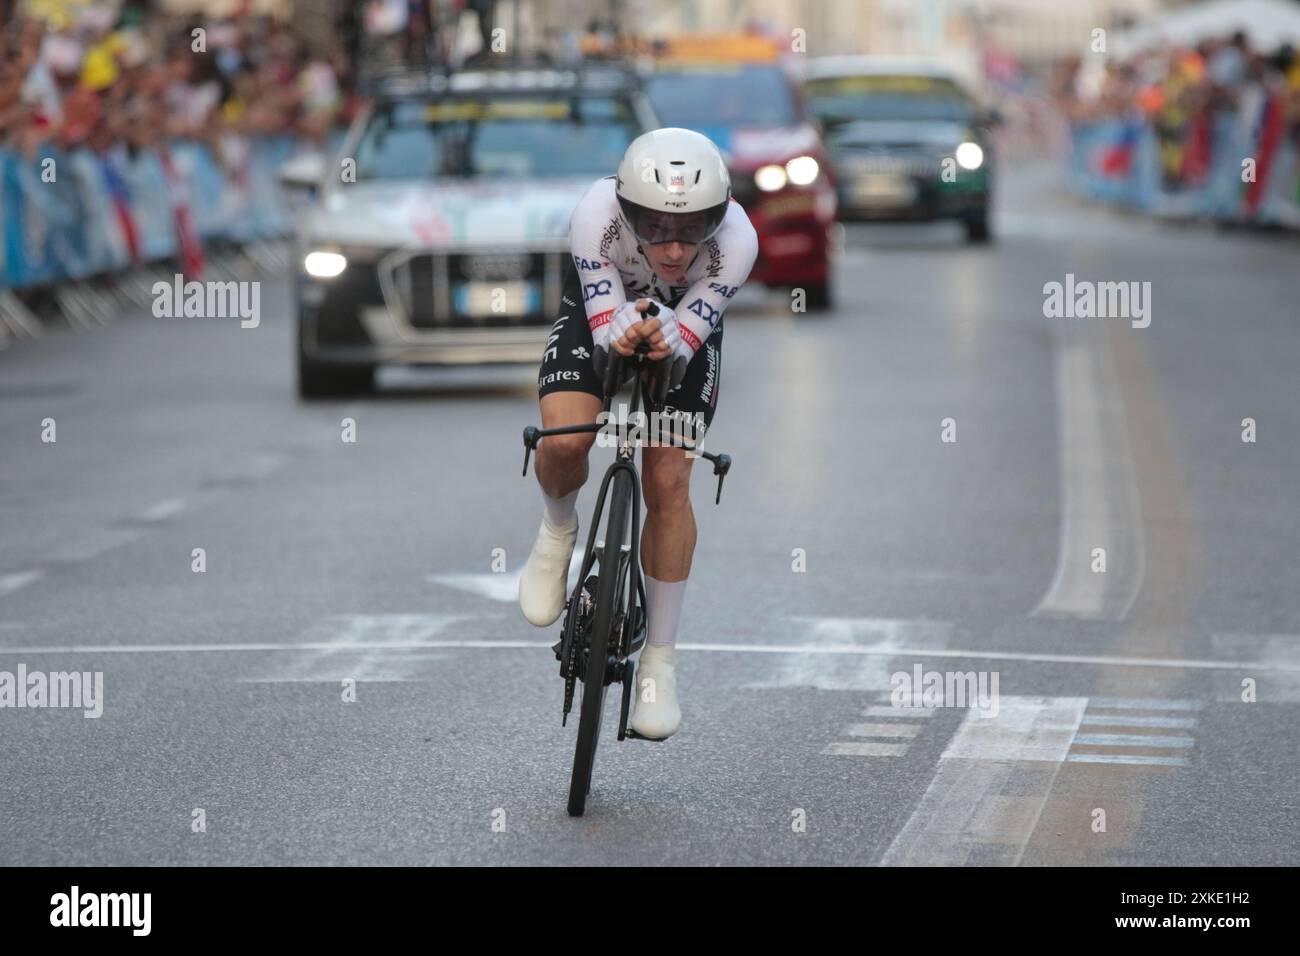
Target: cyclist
x=663 y=230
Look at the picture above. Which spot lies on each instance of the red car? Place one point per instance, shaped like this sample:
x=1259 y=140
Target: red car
x=780 y=169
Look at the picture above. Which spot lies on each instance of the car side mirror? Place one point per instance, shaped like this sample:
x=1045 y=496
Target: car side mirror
x=303 y=172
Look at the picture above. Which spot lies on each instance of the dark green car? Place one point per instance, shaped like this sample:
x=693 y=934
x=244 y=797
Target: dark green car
x=906 y=139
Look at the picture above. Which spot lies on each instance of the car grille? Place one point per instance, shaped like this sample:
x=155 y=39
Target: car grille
x=906 y=161
x=441 y=291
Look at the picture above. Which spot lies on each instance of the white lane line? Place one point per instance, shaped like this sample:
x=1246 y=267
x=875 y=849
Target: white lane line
x=990 y=786
x=268 y=646
x=882 y=730
x=1127 y=759
x=545 y=642
x=1134 y=740
x=1108 y=720
x=863 y=748
x=1273 y=648
x=879 y=632
x=10 y=583
x=355 y=648
x=1101 y=660
x=1100 y=505
x=882 y=636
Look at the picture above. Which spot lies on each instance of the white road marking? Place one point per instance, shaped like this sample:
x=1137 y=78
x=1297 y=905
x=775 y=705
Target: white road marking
x=1134 y=740
x=1100 y=506
x=1099 y=660
x=884 y=710
x=879 y=631
x=990 y=786
x=882 y=730
x=10 y=583
x=1108 y=720
x=881 y=637
x=907 y=725
x=1154 y=713
x=544 y=643
x=356 y=647
x=1276 y=685
x=1026 y=728
x=863 y=748
x=1137 y=703
x=239 y=647
x=1127 y=759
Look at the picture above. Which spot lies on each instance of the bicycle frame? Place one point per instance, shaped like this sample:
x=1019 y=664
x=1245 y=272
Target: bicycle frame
x=616 y=623
x=623 y=461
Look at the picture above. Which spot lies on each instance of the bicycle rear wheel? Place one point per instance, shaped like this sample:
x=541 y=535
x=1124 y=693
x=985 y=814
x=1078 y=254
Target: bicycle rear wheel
x=603 y=617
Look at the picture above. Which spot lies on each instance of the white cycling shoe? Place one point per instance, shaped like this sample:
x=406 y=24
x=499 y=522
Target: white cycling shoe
x=542 y=585
x=657 y=715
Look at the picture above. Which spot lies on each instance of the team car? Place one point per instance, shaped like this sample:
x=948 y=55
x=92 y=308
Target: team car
x=439 y=232
x=780 y=171
x=907 y=138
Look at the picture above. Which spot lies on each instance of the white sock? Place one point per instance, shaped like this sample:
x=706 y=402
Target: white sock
x=560 y=511
x=664 y=608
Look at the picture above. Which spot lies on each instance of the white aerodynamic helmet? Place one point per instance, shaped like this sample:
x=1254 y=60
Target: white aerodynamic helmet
x=673 y=186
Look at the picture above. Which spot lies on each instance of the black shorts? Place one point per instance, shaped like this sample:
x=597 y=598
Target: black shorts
x=567 y=364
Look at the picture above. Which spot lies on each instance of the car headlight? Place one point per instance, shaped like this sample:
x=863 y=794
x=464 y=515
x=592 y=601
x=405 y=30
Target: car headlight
x=769 y=178
x=802 y=170
x=324 y=265
x=969 y=156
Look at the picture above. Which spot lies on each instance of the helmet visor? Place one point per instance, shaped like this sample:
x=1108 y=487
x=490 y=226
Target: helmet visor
x=653 y=227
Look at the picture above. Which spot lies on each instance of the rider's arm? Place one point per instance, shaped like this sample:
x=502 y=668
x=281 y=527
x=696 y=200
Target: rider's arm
x=702 y=306
x=591 y=243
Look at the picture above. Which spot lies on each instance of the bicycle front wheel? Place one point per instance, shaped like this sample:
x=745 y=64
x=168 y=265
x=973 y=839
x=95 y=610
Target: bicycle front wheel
x=604 y=614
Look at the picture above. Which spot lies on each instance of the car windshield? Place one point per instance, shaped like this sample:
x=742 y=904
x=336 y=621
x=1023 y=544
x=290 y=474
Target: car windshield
x=510 y=138
x=739 y=96
x=847 y=98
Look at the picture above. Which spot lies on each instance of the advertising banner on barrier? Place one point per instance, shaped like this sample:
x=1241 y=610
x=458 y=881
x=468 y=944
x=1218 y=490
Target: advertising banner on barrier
x=85 y=213
x=1232 y=167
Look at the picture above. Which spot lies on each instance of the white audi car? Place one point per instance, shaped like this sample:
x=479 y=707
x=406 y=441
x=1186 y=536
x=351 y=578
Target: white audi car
x=438 y=232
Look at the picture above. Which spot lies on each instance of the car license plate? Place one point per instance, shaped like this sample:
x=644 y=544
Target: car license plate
x=508 y=297
x=884 y=189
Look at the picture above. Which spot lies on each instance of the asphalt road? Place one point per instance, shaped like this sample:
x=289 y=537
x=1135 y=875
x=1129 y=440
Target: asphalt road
x=1121 y=735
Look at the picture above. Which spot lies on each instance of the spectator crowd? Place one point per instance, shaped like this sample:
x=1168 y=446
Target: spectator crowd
x=119 y=76
x=1195 y=99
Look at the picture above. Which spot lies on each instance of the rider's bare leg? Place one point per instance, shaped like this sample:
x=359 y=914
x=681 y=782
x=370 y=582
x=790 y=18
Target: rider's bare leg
x=667 y=544
x=667 y=539
x=562 y=459
x=561 y=471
